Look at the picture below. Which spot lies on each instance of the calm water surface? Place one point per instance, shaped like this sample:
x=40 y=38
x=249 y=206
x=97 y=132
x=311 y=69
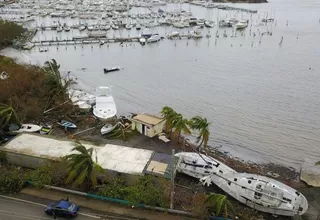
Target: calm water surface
x=262 y=98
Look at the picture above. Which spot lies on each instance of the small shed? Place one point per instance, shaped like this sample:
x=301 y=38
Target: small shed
x=148 y=125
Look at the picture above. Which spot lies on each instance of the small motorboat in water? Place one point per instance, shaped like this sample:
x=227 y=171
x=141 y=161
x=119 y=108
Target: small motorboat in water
x=111 y=69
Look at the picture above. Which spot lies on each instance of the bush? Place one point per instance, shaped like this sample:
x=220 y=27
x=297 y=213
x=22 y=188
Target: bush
x=3 y=158
x=114 y=189
x=58 y=173
x=8 y=32
x=40 y=176
x=11 y=180
x=149 y=191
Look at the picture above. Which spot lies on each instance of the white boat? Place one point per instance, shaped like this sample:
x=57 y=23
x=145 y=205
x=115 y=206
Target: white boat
x=199 y=165
x=209 y=24
x=42 y=49
x=154 y=38
x=82 y=28
x=107 y=128
x=129 y=26
x=241 y=24
x=196 y=34
x=78 y=96
x=66 y=28
x=138 y=27
x=29 y=128
x=262 y=193
x=142 y=40
x=105 y=106
x=59 y=29
x=90 y=28
x=4 y=75
x=173 y=34
x=114 y=27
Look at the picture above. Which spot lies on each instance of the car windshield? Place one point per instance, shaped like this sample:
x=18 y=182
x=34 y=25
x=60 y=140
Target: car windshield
x=71 y=207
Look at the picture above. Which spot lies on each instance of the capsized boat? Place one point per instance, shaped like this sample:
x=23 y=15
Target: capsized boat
x=199 y=165
x=261 y=193
x=105 y=106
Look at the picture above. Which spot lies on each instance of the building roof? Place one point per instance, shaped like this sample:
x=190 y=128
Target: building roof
x=147 y=119
x=111 y=157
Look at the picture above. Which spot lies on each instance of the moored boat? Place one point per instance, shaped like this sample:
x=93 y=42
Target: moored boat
x=112 y=69
x=241 y=24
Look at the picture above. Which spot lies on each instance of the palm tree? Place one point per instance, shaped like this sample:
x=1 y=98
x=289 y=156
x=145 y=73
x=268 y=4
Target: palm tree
x=7 y=115
x=168 y=114
x=202 y=125
x=220 y=203
x=180 y=124
x=81 y=166
x=58 y=85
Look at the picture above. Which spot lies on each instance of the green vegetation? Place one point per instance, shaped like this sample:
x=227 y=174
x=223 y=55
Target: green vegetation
x=11 y=179
x=175 y=124
x=57 y=85
x=116 y=188
x=148 y=190
x=9 y=31
x=81 y=167
x=7 y=115
x=121 y=132
x=30 y=90
x=220 y=204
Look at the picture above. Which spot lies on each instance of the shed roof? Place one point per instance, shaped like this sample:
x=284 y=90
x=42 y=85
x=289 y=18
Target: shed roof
x=147 y=119
x=112 y=157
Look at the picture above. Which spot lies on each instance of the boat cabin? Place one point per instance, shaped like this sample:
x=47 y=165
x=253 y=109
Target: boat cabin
x=148 y=125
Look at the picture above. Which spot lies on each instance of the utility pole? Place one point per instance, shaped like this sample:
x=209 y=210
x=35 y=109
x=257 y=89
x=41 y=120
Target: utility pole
x=172 y=179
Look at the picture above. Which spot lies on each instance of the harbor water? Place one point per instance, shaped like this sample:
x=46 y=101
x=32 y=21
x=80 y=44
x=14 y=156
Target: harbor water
x=261 y=95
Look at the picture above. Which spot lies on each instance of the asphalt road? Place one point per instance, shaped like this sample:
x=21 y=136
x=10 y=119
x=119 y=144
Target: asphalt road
x=16 y=210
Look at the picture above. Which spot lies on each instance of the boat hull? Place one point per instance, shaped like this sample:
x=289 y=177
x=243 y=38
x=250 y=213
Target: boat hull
x=275 y=197
x=199 y=165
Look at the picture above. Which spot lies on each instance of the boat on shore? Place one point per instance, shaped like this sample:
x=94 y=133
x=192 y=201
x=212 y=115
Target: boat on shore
x=105 y=107
x=261 y=193
x=107 y=128
x=67 y=124
x=112 y=69
x=199 y=165
x=30 y=128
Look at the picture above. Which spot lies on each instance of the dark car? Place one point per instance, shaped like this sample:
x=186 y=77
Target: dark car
x=62 y=208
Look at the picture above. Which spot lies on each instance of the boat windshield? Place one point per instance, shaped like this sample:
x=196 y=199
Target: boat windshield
x=103 y=91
